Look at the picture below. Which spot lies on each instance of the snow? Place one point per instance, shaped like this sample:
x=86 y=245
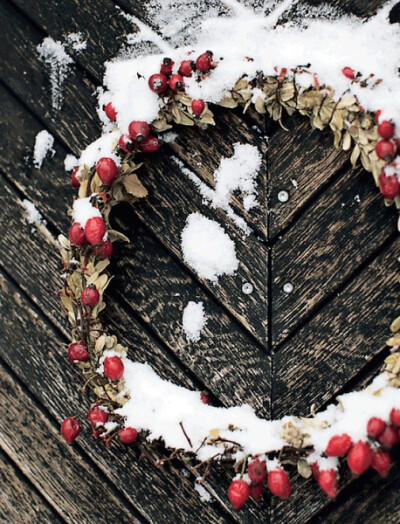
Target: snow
x=203 y=493
x=193 y=320
x=83 y=210
x=70 y=162
x=102 y=147
x=163 y=408
x=53 y=54
x=44 y=142
x=32 y=214
x=207 y=248
x=76 y=41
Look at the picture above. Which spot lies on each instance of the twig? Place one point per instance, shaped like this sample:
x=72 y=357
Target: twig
x=186 y=435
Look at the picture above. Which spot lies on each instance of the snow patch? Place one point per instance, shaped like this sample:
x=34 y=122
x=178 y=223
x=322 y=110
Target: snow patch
x=207 y=248
x=44 y=142
x=32 y=214
x=193 y=320
x=83 y=210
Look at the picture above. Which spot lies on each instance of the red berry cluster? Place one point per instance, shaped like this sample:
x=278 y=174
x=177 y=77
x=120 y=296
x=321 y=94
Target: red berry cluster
x=277 y=481
x=387 y=148
x=93 y=233
x=166 y=78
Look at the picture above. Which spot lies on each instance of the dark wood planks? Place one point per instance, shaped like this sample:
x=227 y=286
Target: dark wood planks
x=23 y=431
x=340 y=340
x=345 y=226
x=44 y=261
x=55 y=387
x=160 y=272
x=19 y=499
x=164 y=174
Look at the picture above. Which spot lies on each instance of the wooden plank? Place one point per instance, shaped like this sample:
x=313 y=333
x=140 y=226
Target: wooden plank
x=55 y=387
x=202 y=155
x=144 y=254
x=70 y=484
x=301 y=162
x=339 y=341
x=24 y=74
x=43 y=262
x=19 y=499
x=164 y=174
x=343 y=228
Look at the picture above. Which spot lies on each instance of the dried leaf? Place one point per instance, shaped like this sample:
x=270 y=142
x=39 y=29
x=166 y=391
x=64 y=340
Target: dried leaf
x=304 y=469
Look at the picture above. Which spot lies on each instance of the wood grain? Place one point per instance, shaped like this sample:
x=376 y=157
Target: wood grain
x=19 y=500
x=343 y=228
x=54 y=468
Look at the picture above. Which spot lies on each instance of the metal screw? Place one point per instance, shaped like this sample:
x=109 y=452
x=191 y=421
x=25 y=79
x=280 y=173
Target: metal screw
x=247 y=288
x=283 y=196
x=288 y=287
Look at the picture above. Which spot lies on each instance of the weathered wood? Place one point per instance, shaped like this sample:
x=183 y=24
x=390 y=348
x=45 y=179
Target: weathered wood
x=303 y=157
x=62 y=481
x=161 y=273
x=19 y=499
x=44 y=260
x=165 y=174
x=338 y=341
x=342 y=229
x=55 y=386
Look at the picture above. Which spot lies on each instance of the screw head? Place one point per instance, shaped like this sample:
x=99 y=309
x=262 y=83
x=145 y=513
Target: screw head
x=247 y=288
x=288 y=287
x=283 y=196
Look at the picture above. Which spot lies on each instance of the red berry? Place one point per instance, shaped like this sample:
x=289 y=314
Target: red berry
x=78 y=351
x=377 y=115
x=110 y=112
x=256 y=471
x=375 y=427
x=389 y=437
x=187 y=67
x=359 y=458
x=278 y=483
x=127 y=435
x=176 y=82
x=395 y=417
x=105 y=250
x=107 y=170
x=198 y=107
x=328 y=482
x=381 y=462
x=348 y=72
x=126 y=143
x=204 y=397
x=150 y=145
x=389 y=186
x=76 y=235
x=90 y=296
x=70 y=429
x=386 y=129
x=74 y=181
x=158 y=83
x=338 y=445
x=98 y=417
x=113 y=368
x=256 y=491
x=95 y=230
x=139 y=131
x=238 y=493
x=315 y=470
x=166 y=66
x=203 y=62
x=385 y=149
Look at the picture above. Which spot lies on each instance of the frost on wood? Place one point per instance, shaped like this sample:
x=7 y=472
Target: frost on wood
x=193 y=320
x=32 y=215
x=43 y=144
x=53 y=54
x=207 y=248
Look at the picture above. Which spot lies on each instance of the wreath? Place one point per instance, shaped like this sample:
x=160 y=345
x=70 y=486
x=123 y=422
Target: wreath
x=166 y=421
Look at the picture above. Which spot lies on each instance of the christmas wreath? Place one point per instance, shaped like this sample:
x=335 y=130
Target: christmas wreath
x=133 y=404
